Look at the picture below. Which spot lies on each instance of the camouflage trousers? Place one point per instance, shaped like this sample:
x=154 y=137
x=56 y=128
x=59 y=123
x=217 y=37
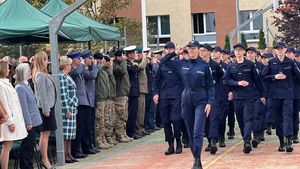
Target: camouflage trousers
x=100 y=122
x=121 y=105
x=109 y=117
x=140 y=118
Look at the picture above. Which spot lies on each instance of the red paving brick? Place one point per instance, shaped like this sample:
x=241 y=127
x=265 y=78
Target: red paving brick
x=151 y=156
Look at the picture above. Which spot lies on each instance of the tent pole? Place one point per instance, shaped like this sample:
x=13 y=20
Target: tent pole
x=54 y=26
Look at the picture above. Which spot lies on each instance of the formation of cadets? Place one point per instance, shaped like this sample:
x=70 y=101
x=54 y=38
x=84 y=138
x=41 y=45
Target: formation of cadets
x=190 y=92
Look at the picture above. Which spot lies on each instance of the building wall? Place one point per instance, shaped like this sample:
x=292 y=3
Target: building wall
x=133 y=11
x=224 y=14
x=180 y=18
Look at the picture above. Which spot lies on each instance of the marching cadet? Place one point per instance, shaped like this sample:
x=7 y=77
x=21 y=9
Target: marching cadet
x=197 y=96
x=213 y=120
x=247 y=87
x=290 y=53
x=167 y=89
x=134 y=92
x=269 y=117
x=260 y=107
x=280 y=72
x=122 y=92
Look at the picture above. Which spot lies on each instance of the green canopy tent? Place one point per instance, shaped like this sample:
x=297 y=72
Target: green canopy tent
x=22 y=23
x=97 y=30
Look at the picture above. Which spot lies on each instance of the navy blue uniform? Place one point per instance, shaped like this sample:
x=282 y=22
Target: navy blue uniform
x=134 y=94
x=168 y=86
x=296 y=106
x=282 y=93
x=198 y=92
x=260 y=109
x=215 y=116
x=244 y=97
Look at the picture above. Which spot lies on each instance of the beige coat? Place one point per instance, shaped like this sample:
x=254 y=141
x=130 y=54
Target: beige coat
x=12 y=106
x=143 y=76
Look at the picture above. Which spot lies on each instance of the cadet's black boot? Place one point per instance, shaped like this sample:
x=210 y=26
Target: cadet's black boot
x=197 y=163
x=255 y=141
x=170 y=150
x=208 y=146
x=231 y=133
x=213 y=146
x=222 y=142
x=262 y=136
x=247 y=147
x=295 y=139
x=269 y=129
x=289 y=142
x=178 y=146
x=281 y=147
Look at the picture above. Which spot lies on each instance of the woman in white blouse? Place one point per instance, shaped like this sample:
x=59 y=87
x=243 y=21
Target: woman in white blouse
x=14 y=127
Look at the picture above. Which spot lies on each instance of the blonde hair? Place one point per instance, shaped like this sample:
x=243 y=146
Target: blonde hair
x=38 y=64
x=3 y=69
x=63 y=61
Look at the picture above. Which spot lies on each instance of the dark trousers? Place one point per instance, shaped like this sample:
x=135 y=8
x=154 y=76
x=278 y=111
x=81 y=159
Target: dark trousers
x=149 y=112
x=93 y=111
x=296 y=106
x=26 y=151
x=185 y=135
x=170 y=111
x=83 y=130
x=224 y=112
x=158 y=117
x=195 y=117
x=269 y=114
x=231 y=118
x=212 y=122
x=283 y=116
x=245 y=116
x=132 y=114
x=260 y=110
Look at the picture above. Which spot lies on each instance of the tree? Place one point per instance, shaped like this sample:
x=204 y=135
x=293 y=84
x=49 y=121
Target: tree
x=262 y=40
x=288 y=23
x=227 y=43
x=243 y=40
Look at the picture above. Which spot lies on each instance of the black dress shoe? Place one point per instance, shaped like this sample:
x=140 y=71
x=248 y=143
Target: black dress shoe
x=281 y=147
x=247 y=147
x=213 y=147
x=289 y=143
x=178 y=146
x=155 y=128
x=269 y=131
x=207 y=148
x=136 y=136
x=186 y=145
x=170 y=149
x=69 y=161
x=75 y=160
x=96 y=150
x=89 y=152
x=151 y=130
x=145 y=133
x=79 y=155
x=295 y=140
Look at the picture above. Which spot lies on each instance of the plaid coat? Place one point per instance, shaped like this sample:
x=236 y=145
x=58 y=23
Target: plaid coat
x=69 y=103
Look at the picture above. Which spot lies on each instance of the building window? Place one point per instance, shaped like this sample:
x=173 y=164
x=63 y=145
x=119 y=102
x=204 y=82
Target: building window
x=204 y=27
x=251 y=30
x=158 y=27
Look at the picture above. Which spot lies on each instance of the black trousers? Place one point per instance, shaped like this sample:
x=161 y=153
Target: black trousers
x=93 y=111
x=132 y=114
x=26 y=151
x=83 y=130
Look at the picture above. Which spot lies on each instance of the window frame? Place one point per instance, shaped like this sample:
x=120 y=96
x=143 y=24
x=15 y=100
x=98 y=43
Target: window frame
x=159 y=30
x=251 y=25
x=204 y=27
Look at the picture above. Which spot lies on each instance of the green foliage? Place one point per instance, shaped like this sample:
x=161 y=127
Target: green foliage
x=227 y=43
x=243 y=40
x=262 y=40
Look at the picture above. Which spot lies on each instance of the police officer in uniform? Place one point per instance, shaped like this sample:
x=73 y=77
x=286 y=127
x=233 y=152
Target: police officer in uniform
x=167 y=89
x=247 y=87
x=280 y=72
x=197 y=96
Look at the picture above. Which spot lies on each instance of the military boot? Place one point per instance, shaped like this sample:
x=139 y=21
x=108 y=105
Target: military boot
x=197 y=163
x=256 y=141
x=281 y=147
x=289 y=143
x=247 y=147
x=222 y=142
x=178 y=146
x=213 y=147
x=170 y=149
